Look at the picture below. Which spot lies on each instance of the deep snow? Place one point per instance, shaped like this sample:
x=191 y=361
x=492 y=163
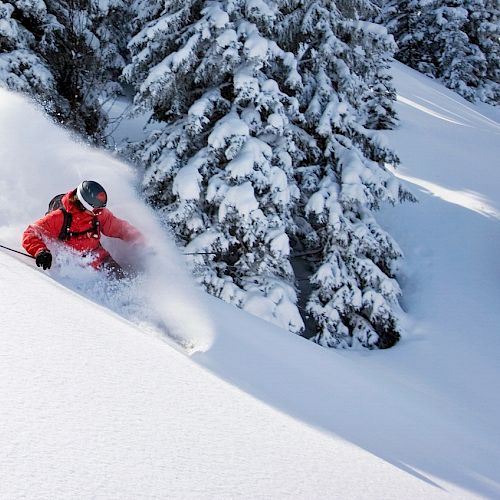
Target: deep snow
x=93 y=405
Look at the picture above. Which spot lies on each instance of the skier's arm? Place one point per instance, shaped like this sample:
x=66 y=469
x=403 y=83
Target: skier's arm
x=46 y=227
x=118 y=228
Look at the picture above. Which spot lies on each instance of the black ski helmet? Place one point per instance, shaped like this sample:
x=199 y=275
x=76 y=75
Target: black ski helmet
x=91 y=195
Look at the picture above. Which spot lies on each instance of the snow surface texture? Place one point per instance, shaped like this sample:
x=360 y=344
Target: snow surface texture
x=40 y=160
x=92 y=407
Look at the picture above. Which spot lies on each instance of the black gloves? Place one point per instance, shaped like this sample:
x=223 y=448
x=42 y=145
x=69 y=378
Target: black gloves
x=44 y=259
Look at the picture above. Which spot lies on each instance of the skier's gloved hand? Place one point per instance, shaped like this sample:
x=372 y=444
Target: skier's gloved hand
x=44 y=259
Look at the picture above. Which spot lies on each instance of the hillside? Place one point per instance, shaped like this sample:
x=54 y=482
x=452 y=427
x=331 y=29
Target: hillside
x=95 y=401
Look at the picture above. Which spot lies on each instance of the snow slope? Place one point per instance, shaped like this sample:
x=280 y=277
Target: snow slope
x=93 y=405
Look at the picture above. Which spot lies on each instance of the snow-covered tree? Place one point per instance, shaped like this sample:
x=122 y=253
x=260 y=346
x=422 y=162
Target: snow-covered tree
x=64 y=53
x=342 y=177
x=84 y=57
x=369 y=62
x=404 y=21
x=483 y=30
x=220 y=165
x=457 y=41
x=22 y=26
x=461 y=65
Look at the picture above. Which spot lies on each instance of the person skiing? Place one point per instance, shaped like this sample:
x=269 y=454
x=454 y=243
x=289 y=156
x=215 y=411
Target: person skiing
x=79 y=222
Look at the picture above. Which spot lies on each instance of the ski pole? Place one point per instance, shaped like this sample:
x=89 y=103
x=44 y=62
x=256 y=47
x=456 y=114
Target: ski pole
x=201 y=253
x=17 y=251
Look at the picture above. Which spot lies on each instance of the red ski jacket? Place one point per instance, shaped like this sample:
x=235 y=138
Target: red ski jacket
x=49 y=227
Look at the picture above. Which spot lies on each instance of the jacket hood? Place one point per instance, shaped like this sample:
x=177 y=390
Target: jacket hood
x=70 y=207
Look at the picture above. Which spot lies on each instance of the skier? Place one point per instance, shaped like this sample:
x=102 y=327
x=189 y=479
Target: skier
x=78 y=221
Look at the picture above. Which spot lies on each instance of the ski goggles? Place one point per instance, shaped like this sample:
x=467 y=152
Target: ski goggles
x=89 y=208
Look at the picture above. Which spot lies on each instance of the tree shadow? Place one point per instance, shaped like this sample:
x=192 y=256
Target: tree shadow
x=419 y=419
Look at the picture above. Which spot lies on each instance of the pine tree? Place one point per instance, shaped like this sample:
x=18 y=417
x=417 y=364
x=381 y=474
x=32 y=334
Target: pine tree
x=372 y=62
x=461 y=64
x=65 y=54
x=342 y=178
x=85 y=60
x=403 y=20
x=219 y=167
x=456 y=41
x=483 y=30
x=22 y=26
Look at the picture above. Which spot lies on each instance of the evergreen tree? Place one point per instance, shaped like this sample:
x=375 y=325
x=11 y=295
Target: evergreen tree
x=85 y=60
x=456 y=41
x=219 y=167
x=63 y=53
x=461 y=65
x=22 y=26
x=403 y=20
x=342 y=178
x=483 y=30
x=374 y=51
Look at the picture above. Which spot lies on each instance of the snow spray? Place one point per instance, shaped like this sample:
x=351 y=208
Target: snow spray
x=163 y=292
